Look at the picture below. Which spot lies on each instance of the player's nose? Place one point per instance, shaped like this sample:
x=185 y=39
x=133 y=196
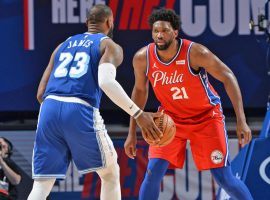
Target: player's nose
x=159 y=35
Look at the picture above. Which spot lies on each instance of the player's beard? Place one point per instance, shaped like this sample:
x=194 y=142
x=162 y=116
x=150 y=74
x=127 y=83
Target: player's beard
x=164 y=46
x=110 y=33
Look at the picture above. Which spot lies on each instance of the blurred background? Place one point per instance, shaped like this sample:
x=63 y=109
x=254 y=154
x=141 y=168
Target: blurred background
x=235 y=30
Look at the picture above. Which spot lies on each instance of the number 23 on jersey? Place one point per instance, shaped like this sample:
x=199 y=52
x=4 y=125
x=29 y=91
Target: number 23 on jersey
x=81 y=60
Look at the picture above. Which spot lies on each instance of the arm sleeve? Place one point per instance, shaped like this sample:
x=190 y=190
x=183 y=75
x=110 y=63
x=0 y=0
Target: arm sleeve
x=107 y=82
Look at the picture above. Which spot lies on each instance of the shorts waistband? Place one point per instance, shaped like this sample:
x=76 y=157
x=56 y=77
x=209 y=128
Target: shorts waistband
x=68 y=99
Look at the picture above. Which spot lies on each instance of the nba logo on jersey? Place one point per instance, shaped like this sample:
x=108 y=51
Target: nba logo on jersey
x=180 y=62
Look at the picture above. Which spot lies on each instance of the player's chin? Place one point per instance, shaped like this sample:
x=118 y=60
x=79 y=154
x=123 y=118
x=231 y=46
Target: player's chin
x=161 y=47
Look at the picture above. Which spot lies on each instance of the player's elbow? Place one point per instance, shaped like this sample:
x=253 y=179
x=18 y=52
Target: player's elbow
x=140 y=91
x=106 y=76
x=228 y=78
x=18 y=180
x=104 y=83
x=39 y=97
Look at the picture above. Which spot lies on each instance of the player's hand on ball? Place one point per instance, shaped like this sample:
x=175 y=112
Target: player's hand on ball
x=150 y=131
x=167 y=126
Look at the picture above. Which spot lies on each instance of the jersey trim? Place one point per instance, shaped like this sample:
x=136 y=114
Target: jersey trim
x=103 y=38
x=69 y=99
x=213 y=99
x=188 y=60
x=226 y=140
x=147 y=59
x=155 y=50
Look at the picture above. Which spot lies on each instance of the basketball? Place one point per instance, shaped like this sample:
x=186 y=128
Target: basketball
x=167 y=126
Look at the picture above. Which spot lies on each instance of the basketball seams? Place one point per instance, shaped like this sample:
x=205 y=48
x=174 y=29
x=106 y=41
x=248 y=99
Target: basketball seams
x=165 y=124
x=169 y=129
x=161 y=124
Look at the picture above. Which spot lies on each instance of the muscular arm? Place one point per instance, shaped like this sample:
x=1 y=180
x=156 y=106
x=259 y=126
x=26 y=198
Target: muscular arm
x=45 y=77
x=112 y=57
x=140 y=89
x=139 y=96
x=111 y=52
x=200 y=56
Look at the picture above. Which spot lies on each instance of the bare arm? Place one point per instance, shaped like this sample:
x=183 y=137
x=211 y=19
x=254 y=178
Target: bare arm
x=112 y=57
x=139 y=96
x=200 y=56
x=45 y=77
x=140 y=89
x=11 y=175
x=111 y=52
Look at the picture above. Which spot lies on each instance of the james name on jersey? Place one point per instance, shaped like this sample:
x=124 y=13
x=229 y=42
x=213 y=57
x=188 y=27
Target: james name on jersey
x=83 y=43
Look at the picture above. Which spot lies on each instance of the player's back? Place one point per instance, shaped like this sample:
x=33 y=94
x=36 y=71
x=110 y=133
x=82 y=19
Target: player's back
x=75 y=70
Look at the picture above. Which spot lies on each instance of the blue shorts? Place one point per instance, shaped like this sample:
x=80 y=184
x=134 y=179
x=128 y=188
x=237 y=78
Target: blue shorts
x=69 y=130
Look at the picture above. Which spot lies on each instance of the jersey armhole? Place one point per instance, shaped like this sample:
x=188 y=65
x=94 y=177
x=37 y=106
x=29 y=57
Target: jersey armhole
x=188 y=60
x=147 y=59
x=103 y=38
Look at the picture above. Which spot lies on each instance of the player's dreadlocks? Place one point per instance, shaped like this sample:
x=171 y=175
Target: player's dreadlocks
x=163 y=14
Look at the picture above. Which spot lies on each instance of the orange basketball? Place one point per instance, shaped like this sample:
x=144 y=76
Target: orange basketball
x=167 y=126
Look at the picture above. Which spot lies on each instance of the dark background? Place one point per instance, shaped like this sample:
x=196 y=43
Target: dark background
x=21 y=69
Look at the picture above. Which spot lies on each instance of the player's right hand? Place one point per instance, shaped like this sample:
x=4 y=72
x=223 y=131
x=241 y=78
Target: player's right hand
x=130 y=146
x=150 y=131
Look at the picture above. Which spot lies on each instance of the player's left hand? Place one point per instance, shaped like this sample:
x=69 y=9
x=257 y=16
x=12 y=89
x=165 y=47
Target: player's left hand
x=243 y=133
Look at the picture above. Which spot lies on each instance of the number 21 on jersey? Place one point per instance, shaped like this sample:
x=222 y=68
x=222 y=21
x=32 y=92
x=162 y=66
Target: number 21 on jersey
x=179 y=93
x=81 y=59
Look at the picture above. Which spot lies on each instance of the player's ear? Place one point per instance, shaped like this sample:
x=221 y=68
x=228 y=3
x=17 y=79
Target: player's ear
x=176 y=32
x=109 y=22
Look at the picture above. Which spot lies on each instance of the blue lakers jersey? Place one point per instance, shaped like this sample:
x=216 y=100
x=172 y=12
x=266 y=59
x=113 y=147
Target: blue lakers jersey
x=75 y=70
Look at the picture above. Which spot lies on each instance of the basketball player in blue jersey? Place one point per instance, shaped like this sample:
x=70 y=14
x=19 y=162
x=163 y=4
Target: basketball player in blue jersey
x=70 y=126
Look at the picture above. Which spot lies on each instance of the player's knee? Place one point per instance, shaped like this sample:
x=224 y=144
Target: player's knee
x=152 y=176
x=149 y=175
x=224 y=177
x=111 y=173
x=156 y=170
x=115 y=172
x=41 y=189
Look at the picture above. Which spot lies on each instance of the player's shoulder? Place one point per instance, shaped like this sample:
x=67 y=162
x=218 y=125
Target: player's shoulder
x=140 y=59
x=141 y=54
x=109 y=43
x=198 y=49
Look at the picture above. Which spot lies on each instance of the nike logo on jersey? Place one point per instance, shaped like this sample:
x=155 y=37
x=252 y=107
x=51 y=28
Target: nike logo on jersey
x=180 y=62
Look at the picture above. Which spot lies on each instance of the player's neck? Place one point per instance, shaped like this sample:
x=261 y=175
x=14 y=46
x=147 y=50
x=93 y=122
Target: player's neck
x=168 y=54
x=94 y=28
